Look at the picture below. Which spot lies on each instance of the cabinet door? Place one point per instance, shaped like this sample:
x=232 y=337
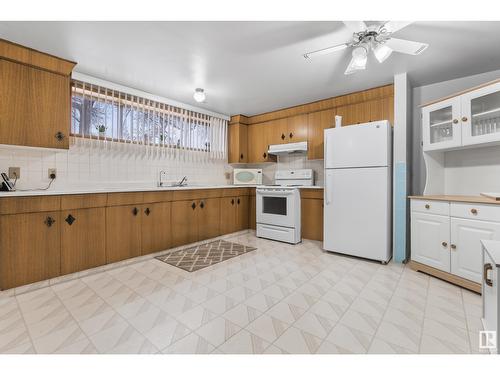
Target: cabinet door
x=430 y=240
x=490 y=294
x=277 y=131
x=257 y=144
x=208 y=215
x=317 y=123
x=312 y=219
x=83 y=239
x=156 y=229
x=184 y=222
x=242 y=212
x=30 y=249
x=228 y=216
x=352 y=114
x=35 y=106
x=123 y=232
x=297 y=128
x=237 y=138
x=481 y=115
x=441 y=125
x=466 y=236
x=252 y=212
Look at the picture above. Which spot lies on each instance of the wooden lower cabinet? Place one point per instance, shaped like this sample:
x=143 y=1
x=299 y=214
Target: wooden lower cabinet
x=123 y=232
x=242 y=212
x=228 y=215
x=312 y=219
x=184 y=228
x=155 y=227
x=252 y=212
x=30 y=248
x=208 y=218
x=83 y=239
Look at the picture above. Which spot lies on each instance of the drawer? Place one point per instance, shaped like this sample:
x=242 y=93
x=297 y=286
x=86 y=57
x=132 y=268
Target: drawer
x=235 y=192
x=183 y=195
x=71 y=202
x=123 y=199
x=430 y=206
x=311 y=193
x=157 y=196
x=19 y=205
x=475 y=211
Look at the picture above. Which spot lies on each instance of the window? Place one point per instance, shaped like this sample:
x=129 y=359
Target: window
x=104 y=114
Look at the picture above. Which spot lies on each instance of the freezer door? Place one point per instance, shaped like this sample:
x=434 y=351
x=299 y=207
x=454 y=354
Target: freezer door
x=357 y=213
x=365 y=145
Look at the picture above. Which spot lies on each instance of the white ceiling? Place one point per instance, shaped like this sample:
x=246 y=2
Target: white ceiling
x=253 y=67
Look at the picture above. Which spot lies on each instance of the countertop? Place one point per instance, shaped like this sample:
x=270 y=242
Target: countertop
x=493 y=250
x=126 y=189
x=457 y=198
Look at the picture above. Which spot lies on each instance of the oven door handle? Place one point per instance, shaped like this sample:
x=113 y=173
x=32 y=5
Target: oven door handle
x=274 y=193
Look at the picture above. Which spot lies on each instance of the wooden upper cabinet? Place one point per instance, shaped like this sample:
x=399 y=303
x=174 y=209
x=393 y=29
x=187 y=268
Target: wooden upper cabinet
x=238 y=143
x=30 y=249
x=297 y=128
x=317 y=123
x=277 y=131
x=258 y=143
x=83 y=239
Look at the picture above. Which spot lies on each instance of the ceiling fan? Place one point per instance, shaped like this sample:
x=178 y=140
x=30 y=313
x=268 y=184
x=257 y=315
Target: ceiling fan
x=377 y=38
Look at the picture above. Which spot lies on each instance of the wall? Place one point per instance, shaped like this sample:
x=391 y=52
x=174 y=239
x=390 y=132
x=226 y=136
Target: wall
x=99 y=166
x=424 y=94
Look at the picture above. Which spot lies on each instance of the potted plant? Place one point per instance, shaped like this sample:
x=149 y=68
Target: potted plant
x=102 y=130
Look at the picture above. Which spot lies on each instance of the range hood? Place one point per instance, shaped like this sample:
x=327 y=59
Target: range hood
x=288 y=148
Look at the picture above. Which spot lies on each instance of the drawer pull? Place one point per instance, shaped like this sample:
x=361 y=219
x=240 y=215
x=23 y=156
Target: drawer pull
x=453 y=246
x=49 y=221
x=135 y=211
x=487 y=267
x=444 y=243
x=455 y=121
x=70 y=219
x=464 y=119
x=473 y=211
x=427 y=206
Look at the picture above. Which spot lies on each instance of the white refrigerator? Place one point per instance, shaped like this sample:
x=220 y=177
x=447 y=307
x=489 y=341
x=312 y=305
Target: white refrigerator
x=358 y=191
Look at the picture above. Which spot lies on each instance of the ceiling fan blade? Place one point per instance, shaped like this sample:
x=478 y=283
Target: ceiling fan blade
x=406 y=46
x=393 y=26
x=325 y=51
x=355 y=26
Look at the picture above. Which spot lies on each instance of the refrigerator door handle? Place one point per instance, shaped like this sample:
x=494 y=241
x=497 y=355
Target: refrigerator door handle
x=327 y=192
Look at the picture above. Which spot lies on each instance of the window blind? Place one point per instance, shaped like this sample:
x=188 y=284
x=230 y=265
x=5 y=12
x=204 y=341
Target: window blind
x=112 y=118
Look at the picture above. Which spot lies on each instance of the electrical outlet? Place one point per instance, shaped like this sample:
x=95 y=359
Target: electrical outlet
x=52 y=172
x=14 y=172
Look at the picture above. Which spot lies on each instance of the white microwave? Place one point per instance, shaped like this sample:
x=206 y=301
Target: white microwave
x=247 y=176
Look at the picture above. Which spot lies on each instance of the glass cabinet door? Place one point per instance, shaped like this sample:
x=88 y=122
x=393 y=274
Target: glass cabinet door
x=441 y=125
x=481 y=115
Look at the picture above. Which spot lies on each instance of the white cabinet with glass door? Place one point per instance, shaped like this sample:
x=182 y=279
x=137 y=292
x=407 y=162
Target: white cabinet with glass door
x=481 y=115
x=441 y=126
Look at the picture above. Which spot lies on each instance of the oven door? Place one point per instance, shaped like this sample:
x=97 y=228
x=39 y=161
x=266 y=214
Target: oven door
x=275 y=207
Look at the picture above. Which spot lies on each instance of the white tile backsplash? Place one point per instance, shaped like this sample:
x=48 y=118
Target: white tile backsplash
x=98 y=165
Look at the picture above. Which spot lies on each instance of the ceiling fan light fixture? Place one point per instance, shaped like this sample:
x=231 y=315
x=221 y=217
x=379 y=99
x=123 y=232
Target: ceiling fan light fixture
x=358 y=61
x=382 y=52
x=199 y=95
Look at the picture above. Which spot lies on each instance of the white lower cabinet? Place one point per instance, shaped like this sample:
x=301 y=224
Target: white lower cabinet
x=453 y=244
x=466 y=236
x=491 y=292
x=430 y=236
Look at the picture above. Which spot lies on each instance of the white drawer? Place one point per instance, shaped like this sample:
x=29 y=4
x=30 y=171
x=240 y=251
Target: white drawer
x=431 y=207
x=486 y=212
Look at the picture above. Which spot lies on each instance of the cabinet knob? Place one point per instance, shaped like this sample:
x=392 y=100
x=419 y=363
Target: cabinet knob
x=232 y=201
x=70 y=219
x=135 y=211
x=455 y=121
x=291 y=135
x=202 y=204
x=487 y=267
x=473 y=211
x=49 y=221
x=193 y=206
x=427 y=206
x=453 y=246
x=444 y=243
x=238 y=201
x=241 y=156
x=283 y=136
x=59 y=136
x=264 y=155
x=464 y=119
x=147 y=211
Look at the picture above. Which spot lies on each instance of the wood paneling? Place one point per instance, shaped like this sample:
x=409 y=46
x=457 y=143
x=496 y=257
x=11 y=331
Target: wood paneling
x=312 y=218
x=28 y=56
x=208 y=218
x=237 y=143
x=242 y=212
x=156 y=232
x=83 y=242
x=120 y=199
x=184 y=222
x=30 y=249
x=123 y=232
x=317 y=123
x=17 y=205
x=71 y=202
x=228 y=215
x=35 y=106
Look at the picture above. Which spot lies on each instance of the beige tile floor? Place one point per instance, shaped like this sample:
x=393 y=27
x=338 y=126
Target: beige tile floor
x=278 y=299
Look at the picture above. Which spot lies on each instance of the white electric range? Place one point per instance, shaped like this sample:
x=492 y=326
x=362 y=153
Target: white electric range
x=278 y=206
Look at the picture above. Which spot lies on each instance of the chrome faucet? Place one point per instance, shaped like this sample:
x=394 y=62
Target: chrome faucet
x=183 y=181
x=160 y=182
